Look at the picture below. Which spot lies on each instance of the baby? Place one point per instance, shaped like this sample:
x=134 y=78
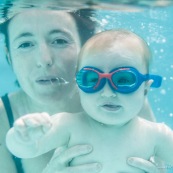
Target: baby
x=113 y=79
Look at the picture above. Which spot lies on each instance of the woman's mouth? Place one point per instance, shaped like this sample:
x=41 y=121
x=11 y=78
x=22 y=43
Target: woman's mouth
x=51 y=80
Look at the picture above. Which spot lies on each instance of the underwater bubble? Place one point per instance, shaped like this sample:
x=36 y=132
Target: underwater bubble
x=108 y=17
x=156 y=15
x=163 y=92
x=158 y=109
x=160 y=57
x=156 y=100
x=104 y=21
x=164 y=78
x=171 y=78
x=155 y=51
x=161 y=50
x=142 y=25
x=171 y=114
x=163 y=40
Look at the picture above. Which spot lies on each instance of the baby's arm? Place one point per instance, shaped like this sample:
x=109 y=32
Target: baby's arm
x=35 y=134
x=164 y=148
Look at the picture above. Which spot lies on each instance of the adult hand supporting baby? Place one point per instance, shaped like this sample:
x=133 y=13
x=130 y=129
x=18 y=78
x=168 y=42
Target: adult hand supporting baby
x=59 y=162
x=147 y=166
x=62 y=157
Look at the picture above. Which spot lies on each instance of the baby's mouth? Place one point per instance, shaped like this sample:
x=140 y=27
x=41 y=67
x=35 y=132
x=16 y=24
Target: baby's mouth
x=110 y=107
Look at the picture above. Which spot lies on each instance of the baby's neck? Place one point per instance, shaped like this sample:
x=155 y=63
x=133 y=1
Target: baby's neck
x=116 y=127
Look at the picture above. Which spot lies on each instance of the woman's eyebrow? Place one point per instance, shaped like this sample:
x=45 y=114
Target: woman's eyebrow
x=25 y=34
x=59 y=31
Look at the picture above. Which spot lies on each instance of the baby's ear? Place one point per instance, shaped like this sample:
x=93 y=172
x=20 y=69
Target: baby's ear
x=147 y=86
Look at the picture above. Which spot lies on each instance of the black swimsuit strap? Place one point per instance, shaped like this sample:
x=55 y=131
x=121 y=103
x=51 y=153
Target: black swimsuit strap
x=8 y=109
x=9 y=112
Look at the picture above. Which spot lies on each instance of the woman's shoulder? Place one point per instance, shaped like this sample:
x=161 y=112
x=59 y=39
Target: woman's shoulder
x=4 y=121
x=16 y=96
x=7 y=105
x=3 y=114
x=12 y=97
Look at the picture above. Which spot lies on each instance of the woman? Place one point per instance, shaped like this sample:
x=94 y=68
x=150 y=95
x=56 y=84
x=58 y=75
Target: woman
x=43 y=52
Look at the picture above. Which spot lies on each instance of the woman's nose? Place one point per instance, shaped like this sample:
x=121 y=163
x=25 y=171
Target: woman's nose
x=107 y=91
x=44 y=58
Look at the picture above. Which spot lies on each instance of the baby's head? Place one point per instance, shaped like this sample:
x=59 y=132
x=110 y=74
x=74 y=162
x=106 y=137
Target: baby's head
x=113 y=76
x=119 y=42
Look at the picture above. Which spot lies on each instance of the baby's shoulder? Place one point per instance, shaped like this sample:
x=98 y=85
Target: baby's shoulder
x=68 y=118
x=159 y=128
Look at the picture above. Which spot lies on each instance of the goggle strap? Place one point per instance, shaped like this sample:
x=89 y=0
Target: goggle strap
x=157 y=80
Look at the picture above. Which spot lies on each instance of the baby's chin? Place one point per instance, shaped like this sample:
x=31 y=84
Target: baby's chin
x=113 y=123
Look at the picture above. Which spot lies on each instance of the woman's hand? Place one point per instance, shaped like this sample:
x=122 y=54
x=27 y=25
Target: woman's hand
x=59 y=163
x=147 y=166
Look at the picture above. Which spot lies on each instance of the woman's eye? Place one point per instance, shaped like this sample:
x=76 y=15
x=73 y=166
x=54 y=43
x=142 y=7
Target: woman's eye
x=60 y=42
x=26 y=45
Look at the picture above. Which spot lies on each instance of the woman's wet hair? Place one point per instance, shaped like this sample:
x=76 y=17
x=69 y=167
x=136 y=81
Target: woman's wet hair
x=86 y=26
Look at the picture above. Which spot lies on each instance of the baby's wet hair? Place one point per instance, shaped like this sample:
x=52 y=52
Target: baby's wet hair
x=107 y=38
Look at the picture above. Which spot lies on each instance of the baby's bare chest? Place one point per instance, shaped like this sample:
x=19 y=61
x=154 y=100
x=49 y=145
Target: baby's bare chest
x=113 y=150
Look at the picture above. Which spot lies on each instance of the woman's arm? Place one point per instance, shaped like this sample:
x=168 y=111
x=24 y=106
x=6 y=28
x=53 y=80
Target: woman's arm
x=6 y=162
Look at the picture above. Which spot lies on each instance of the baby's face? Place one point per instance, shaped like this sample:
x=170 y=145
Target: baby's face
x=107 y=106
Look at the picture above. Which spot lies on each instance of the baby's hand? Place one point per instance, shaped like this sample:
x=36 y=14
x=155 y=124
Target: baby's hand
x=31 y=127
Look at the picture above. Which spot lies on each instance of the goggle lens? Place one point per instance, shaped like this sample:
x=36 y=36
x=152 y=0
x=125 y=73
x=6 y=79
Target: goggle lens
x=90 y=79
x=124 y=79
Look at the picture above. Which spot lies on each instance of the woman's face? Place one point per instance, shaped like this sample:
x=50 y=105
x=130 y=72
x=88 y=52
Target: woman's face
x=43 y=49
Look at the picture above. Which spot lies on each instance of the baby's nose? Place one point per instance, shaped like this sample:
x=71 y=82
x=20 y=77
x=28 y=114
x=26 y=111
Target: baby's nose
x=107 y=91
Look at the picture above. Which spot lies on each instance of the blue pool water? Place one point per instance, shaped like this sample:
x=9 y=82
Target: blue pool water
x=156 y=27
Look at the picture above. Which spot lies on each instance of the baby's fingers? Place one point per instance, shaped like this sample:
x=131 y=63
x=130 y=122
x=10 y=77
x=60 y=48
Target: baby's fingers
x=19 y=124
x=32 y=126
x=20 y=129
x=46 y=121
x=37 y=120
x=33 y=121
